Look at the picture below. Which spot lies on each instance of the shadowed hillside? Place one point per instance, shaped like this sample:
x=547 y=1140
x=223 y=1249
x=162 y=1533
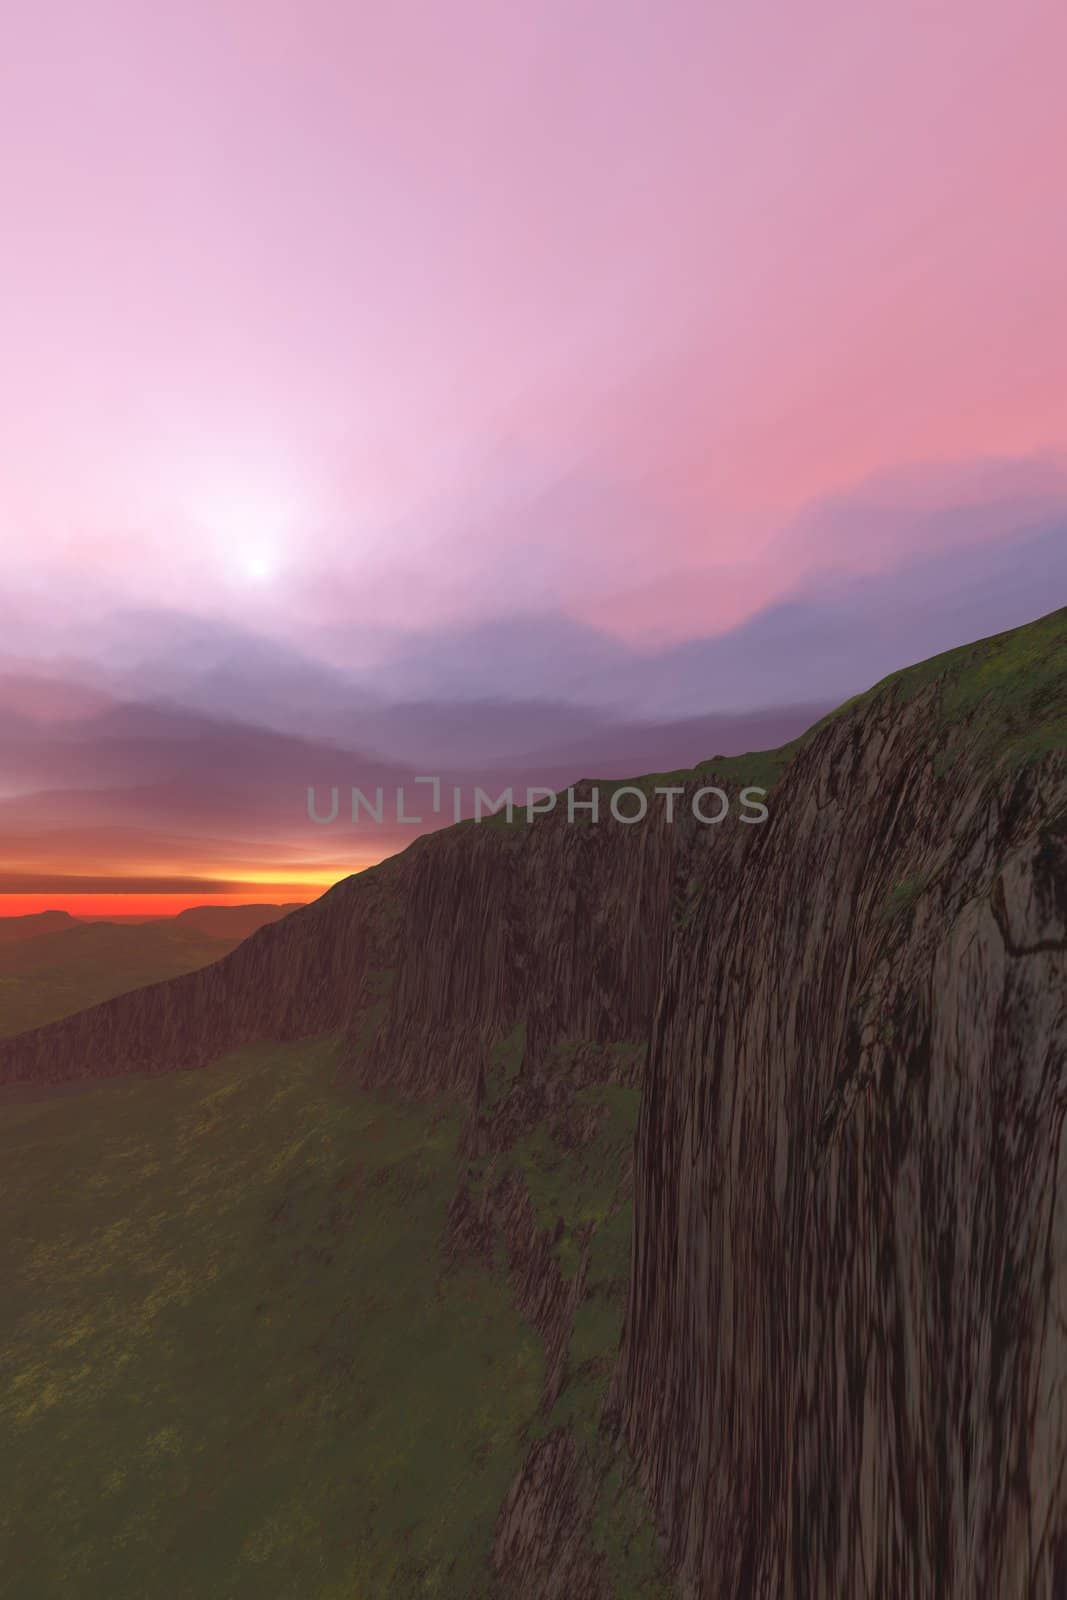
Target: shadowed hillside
x=52 y=964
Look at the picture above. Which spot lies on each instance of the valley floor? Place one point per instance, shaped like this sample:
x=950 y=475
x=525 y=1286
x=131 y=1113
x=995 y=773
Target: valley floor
x=235 y=1359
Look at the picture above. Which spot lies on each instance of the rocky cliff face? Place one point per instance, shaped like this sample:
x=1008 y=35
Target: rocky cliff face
x=846 y=1357
x=429 y=959
x=307 y=974
x=844 y=1366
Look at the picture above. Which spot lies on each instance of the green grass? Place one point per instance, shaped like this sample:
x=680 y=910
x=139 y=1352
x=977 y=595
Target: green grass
x=231 y=1364
x=591 y=1189
x=580 y=1187
x=582 y=1197
x=1009 y=691
x=624 y=1535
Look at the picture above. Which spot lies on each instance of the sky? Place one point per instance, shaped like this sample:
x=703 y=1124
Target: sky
x=388 y=342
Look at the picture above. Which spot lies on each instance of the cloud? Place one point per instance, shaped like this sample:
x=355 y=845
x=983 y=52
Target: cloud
x=834 y=642
x=179 y=757
x=904 y=565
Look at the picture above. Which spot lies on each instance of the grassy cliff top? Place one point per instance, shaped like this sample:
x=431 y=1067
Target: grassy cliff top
x=1011 y=687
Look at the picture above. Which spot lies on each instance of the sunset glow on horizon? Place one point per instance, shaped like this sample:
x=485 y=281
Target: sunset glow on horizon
x=129 y=908
x=445 y=353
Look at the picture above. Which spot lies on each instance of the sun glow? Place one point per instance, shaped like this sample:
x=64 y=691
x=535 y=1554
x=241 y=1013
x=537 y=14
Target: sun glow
x=259 y=563
x=247 y=521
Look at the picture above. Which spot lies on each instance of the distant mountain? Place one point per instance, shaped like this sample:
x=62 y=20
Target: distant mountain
x=619 y=749
x=13 y=930
x=162 y=783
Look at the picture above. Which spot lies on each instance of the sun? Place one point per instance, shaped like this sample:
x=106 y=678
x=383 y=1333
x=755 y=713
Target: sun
x=246 y=519
x=258 y=563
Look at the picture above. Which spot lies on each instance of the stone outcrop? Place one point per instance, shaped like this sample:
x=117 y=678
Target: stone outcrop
x=541 y=1546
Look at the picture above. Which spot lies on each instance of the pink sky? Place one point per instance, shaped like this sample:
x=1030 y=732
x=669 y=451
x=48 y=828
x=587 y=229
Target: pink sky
x=403 y=314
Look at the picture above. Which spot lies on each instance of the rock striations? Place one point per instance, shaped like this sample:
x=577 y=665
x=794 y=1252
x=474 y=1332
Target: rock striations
x=846 y=1355
x=440 y=951
x=844 y=1364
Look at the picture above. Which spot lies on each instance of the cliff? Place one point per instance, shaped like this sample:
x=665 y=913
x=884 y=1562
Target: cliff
x=303 y=975
x=426 y=960
x=844 y=1362
x=845 y=1368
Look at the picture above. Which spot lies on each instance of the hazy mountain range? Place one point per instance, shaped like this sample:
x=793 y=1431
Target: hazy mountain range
x=180 y=755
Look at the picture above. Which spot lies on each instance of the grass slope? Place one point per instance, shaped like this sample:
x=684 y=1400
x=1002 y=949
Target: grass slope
x=234 y=1362
x=582 y=1196
x=1009 y=689
x=230 y=1362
